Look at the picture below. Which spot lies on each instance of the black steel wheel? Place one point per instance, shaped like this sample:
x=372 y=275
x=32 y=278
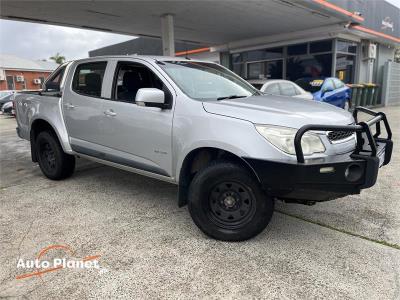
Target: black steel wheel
x=232 y=204
x=53 y=162
x=227 y=203
x=47 y=156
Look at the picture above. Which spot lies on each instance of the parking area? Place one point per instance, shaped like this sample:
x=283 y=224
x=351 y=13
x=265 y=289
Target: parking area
x=343 y=249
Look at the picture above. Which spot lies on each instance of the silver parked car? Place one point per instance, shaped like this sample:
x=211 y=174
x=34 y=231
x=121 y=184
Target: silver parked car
x=232 y=150
x=281 y=87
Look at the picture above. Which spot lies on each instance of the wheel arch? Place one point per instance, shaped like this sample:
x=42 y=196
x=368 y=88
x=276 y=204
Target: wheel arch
x=197 y=159
x=37 y=126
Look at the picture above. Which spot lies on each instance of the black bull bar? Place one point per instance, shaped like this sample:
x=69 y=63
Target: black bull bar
x=359 y=129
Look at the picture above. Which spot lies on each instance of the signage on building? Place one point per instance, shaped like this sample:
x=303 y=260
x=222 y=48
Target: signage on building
x=387 y=23
x=380 y=16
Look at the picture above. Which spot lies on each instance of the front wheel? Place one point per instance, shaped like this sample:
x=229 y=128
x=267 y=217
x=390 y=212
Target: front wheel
x=227 y=203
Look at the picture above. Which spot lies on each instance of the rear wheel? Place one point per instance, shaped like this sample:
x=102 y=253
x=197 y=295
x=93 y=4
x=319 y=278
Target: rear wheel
x=54 y=163
x=227 y=203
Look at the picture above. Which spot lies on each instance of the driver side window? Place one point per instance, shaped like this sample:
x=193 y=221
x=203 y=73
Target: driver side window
x=130 y=77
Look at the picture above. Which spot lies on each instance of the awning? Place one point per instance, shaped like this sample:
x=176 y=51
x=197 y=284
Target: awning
x=207 y=22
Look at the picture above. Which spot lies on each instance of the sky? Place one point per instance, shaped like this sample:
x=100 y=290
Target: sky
x=38 y=41
x=394 y=2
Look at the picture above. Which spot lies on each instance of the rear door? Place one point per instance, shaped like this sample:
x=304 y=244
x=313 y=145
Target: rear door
x=138 y=136
x=82 y=105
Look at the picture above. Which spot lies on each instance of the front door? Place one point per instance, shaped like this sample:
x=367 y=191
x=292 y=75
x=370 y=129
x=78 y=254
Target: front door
x=139 y=136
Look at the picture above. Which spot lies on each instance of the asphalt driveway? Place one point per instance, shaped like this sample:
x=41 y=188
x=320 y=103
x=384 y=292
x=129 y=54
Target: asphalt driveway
x=343 y=249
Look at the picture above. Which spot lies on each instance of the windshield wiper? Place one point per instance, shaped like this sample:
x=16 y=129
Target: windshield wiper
x=231 y=97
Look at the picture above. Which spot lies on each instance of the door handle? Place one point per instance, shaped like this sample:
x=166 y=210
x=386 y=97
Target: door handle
x=69 y=106
x=110 y=113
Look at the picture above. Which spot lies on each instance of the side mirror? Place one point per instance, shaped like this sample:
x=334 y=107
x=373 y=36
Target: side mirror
x=51 y=86
x=151 y=97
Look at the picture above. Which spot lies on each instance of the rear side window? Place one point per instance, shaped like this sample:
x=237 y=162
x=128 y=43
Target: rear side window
x=88 y=78
x=273 y=89
x=288 y=89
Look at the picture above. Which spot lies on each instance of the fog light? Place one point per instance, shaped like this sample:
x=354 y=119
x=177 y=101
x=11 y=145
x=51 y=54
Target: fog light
x=353 y=172
x=325 y=170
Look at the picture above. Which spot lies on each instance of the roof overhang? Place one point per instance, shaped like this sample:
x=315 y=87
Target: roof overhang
x=206 y=22
x=374 y=35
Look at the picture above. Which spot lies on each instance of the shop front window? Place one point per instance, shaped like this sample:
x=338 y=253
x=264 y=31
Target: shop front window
x=274 y=69
x=264 y=54
x=309 y=66
x=239 y=69
x=297 y=49
x=345 y=67
x=321 y=46
x=346 y=47
x=254 y=71
x=265 y=69
x=310 y=59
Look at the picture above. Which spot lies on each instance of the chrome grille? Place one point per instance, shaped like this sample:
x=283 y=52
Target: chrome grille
x=335 y=136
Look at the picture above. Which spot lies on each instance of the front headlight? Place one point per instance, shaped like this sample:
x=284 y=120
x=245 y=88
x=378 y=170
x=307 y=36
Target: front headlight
x=283 y=138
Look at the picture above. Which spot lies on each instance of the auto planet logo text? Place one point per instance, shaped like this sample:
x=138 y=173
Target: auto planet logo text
x=57 y=262
x=40 y=266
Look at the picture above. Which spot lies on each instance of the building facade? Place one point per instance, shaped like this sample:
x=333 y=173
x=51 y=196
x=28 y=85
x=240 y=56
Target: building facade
x=23 y=74
x=153 y=46
x=354 y=41
x=355 y=52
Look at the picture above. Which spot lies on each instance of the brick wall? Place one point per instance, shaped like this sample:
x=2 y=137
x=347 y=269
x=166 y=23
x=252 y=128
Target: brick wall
x=28 y=77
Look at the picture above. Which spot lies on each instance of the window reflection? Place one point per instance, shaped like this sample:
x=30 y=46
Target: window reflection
x=309 y=66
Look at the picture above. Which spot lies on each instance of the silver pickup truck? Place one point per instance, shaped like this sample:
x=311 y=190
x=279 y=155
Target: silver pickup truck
x=231 y=149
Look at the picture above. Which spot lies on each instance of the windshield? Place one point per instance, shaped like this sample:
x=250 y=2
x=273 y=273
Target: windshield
x=311 y=85
x=207 y=81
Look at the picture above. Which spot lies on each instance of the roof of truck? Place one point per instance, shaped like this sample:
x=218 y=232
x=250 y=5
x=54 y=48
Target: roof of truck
x=144 y=57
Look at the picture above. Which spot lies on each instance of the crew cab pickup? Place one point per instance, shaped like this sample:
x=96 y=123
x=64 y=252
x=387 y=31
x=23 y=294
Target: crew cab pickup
x=231 y=149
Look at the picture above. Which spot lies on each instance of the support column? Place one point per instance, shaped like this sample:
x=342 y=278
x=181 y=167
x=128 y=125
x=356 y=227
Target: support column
x=167 y=34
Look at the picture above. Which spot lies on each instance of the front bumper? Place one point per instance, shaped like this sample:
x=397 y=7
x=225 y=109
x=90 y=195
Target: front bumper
x=332 y=177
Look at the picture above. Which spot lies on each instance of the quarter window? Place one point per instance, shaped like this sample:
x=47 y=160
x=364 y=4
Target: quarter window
x=88 y=78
